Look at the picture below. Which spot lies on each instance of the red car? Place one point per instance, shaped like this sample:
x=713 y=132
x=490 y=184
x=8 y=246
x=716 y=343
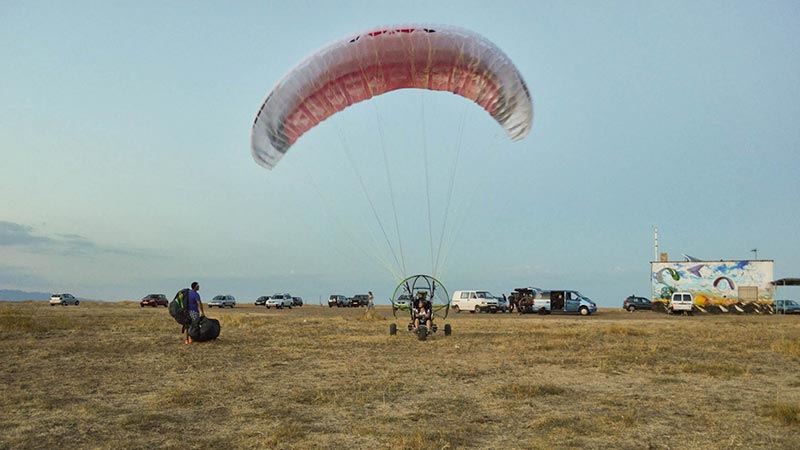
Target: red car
x=154 y=300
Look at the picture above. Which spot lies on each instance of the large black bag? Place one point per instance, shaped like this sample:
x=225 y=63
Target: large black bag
x=178 y=307
x=204 y=329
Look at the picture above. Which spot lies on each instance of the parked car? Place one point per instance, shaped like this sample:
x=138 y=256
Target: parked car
x=359 y=300
x=632 y=303
x=297 y=301
x=63 y=300
x=680 y=302
x=154 y=300
x=334 y=300
x=261 y=301
x=222 y=301
x=474 y=301
x=279 y=301
x=338 y=301
x=402 y=303
x=787 y=307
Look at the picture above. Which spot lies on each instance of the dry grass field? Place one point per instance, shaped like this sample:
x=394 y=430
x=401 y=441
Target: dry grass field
x=114 y=375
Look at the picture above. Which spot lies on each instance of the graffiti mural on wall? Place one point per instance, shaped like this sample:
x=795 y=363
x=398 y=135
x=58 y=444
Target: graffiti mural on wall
x=712 y=282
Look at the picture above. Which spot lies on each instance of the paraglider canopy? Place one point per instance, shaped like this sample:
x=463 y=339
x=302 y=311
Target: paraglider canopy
x=360 y=67
x=357 y=68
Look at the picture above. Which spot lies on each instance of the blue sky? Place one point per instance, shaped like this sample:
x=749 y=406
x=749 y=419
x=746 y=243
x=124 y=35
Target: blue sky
x=126 y=168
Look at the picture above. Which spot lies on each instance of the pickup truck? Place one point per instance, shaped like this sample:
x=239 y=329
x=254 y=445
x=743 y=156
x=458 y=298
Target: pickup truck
x=564 y=302
x=680 y=302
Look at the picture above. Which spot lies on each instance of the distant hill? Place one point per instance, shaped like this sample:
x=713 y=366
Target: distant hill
x=18 y=296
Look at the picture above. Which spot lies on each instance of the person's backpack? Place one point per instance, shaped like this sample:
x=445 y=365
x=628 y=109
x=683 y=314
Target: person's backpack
x=178 y=307
x=204 y=329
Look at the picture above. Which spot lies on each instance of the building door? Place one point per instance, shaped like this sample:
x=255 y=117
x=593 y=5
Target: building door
x=748 y=294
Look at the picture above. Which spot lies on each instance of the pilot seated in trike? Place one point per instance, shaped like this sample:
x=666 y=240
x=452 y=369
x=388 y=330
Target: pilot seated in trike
x=421 y=313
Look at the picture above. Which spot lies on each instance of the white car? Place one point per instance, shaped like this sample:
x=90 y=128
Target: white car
x=402 y=303
x=63 y=300
x=280 y=301
x=222 y=301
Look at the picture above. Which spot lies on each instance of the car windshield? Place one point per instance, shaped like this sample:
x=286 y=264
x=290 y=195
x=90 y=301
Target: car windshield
x=484 y=294
x=219 y=297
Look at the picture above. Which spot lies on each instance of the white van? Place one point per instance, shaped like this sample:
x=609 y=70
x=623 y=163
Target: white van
x=474 y=301
x=680 y=303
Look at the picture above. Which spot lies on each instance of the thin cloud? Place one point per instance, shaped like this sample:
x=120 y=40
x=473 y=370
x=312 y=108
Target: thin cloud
x=26 y=237
x=14 y=234
x=19 y=278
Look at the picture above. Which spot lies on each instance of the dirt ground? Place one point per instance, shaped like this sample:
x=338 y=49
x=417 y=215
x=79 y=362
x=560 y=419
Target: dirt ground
x=114 y=375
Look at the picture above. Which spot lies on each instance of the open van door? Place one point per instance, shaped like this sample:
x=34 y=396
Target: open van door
x=556 y=300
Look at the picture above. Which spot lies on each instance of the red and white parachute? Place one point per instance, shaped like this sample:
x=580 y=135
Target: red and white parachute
x=357 y=68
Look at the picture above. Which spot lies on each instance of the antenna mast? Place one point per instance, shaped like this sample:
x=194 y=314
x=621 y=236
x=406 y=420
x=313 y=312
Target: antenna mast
x=655 y=243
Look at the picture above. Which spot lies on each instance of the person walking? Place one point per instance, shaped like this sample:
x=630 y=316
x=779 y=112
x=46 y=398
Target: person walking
x=369 y=301
x=195 y=308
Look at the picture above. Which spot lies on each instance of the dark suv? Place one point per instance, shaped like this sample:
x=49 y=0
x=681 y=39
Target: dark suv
x=154 y=300
x=359 y=300
x=632 y=303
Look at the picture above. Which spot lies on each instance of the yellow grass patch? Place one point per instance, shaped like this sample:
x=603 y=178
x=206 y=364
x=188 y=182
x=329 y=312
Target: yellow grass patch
x=112 y=375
